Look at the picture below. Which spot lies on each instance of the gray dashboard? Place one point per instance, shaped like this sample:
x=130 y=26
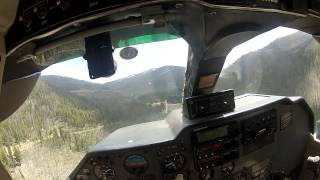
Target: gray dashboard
x=263 y=135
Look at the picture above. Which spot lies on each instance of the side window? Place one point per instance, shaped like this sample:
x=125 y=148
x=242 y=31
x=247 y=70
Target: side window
x=288 y=66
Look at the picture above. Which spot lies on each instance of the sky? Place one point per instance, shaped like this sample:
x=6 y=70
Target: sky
x=158 y=54
x=150 y=56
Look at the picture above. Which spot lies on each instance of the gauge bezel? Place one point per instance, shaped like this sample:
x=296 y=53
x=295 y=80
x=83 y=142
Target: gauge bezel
x=170 y=154
x=100 y=163
x=130 y=171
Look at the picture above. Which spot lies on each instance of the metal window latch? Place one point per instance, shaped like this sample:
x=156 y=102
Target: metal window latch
x=313 y=164
x=156 y=15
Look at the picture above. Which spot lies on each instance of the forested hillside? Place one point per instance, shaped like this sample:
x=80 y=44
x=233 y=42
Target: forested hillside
x=281 y=68
x=64 y=117
x=289 y=66
x=43 y=112
x=45 y=125
x=140 y=98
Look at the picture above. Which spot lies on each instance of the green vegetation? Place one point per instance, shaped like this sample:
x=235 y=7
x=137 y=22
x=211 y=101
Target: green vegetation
x=43 y=114
x=63 y=118
x=142 y=97
x=48 y=120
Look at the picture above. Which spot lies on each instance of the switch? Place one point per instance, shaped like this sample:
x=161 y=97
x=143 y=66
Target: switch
x=42 y=13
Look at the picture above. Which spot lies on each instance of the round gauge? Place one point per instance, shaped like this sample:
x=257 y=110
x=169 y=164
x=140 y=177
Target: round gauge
x=173 y=162
x=104 y=172
x=129 y=53
x=136 y=164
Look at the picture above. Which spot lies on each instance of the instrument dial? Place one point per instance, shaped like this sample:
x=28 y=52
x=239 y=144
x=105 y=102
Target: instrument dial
x=136 y=164
x=104 y=172
x=173 y=162
x=102 y=168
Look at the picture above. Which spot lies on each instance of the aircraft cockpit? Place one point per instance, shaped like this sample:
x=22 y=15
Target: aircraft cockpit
x=160 y=89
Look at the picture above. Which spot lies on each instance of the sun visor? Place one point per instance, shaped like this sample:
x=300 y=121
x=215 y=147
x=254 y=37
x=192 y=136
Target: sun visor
x=14 y=93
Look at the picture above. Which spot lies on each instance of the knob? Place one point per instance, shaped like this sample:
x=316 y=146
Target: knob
x=42 y=12
x=26 y=20
x=206 y=174
x=173 y=162
x=63 y=4
x=227 y=168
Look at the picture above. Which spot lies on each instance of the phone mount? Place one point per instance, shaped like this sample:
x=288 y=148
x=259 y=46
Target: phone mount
x=99 y=52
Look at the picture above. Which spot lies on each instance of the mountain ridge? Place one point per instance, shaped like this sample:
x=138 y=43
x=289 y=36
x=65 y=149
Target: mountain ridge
x=287 y=67
x=131 y=99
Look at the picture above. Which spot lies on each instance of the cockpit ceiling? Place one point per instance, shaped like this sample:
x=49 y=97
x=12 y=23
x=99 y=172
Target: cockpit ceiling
x=218 y=25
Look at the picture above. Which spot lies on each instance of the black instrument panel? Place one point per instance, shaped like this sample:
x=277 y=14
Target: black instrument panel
x=249 y=143
x=41 y=26
x=38 y=16
x=35 y=17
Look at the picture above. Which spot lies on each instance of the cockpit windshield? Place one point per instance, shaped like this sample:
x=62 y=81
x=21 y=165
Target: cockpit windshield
x=69 y=113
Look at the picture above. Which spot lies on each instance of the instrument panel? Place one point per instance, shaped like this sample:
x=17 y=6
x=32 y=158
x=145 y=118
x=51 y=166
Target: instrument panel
x=254 y=141
x=35 y=17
